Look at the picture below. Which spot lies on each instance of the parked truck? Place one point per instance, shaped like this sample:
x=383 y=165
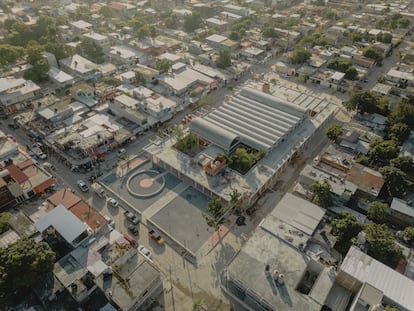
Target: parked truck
x=98 y=189
x=39 y=153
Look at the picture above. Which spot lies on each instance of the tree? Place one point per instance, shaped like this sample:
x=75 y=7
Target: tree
x=163 y=65
x=351 y=73
x=143 y=32
x=224 y=59
x=39 y=71
x=140 y=79
x=383 y=151
x=399 y=132
x=300 y=55
x=234 y=196
x=403 y=113
x=408 y=235
x=395 y=181
x=60 y=50
x=355 y=36
x=333 y=131
x=370 y=52
x=385 y=37
x=341 y=65
x=34 y=52
x=269 y=32
x=192 y=21
x=23 y=264
x=381 y=244
x=4 y=222
x=404 y=163
x=171 y=21
x=322 y=192
x=111 y=81
x=234 y=35
x=362 y=101
x=345 y=227
x=89 y=49
x=106 y=11
x=378 y=212
x=10 y=53
x=215 y=207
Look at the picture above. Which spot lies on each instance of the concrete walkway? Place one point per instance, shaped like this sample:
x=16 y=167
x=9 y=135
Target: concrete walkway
x=164 y=200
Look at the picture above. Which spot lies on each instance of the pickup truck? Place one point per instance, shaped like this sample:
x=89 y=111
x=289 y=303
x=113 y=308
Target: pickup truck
x=156 y=237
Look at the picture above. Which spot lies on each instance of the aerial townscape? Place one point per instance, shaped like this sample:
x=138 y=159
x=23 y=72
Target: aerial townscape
x=195 y=155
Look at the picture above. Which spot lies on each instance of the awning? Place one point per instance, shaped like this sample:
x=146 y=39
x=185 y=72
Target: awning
x=44 y=185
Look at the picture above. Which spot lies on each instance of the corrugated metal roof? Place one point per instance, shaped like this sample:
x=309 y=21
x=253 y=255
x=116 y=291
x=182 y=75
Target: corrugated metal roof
x=261 y=120
x=66 y=223
x=394 y=285
x=215 y=134
x=299 y=213
x=402 y=207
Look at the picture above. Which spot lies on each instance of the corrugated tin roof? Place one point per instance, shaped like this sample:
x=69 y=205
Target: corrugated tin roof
x=261 y=120
x=402 y=207
x=66 y=223
x=299 y=213
x=213 y=133
x=394 y=285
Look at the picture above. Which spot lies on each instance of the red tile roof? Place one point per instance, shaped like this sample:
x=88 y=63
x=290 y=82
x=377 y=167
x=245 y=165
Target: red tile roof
x=88 y=214
x=17 y=173
x=64 y=197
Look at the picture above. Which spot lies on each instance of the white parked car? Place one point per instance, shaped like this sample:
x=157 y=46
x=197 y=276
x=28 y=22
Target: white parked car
x=113 y=202
x=144 y=251
x=82 y=185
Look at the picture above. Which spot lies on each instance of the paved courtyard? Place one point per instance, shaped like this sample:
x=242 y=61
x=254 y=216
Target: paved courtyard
x=118 y=185
x=182 y=219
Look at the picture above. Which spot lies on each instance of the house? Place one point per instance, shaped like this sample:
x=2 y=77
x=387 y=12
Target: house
x=173 y=58
x=80 y=27
x=341 y=189
x=124 y=9
x=159 y=108
x=126 y=56
x=281 y=264
x=184 y=79
x=368 y=181
x=127 y=77
x=242 y=11
x=252 y=52
x=60 y=78
x=79 y=66
x=55 y=113
x=373 y=283
x=99 y=40
x=128 y=108
x=133 y=286
x=150 y=74
x=217 y=23
x=85 y=94
x=16 y=94
x=400 y=78
x=62 y=224
x=402 y=211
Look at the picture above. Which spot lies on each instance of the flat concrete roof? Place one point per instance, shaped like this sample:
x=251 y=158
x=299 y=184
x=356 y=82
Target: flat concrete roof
x=247 y=271
x=130 y=282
